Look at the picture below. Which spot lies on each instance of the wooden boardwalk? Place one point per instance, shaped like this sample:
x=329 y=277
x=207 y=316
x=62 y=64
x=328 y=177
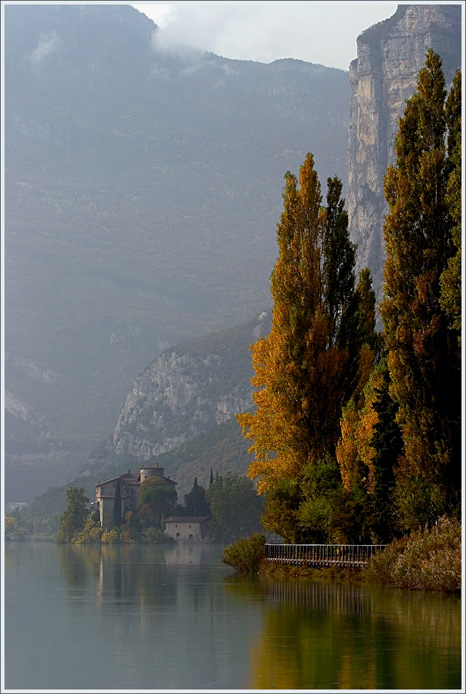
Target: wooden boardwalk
x=322 y=556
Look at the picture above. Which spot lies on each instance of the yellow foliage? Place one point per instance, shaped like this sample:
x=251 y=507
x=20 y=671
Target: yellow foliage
x=347 y=450
x=110 y=537
x=357 y=430
x=303 y=370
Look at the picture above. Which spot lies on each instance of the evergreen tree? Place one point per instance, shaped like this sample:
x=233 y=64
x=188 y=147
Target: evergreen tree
x=367 y=342
x=367 y=454
x=366 y=311
x=307 y=367
x=423 y=356
x=195 y=502
x=73 y=520
x=387 y=444
x=117 y=505
x=338 y=259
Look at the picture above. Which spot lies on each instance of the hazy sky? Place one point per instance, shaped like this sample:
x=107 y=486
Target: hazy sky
x=264 y=30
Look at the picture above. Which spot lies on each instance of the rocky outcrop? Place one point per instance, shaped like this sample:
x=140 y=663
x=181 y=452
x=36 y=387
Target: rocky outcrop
x=17 y=408
x=33 y=370
x=389 y=57
x=186 y=391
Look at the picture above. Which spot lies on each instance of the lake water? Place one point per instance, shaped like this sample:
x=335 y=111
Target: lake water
x=174 y=617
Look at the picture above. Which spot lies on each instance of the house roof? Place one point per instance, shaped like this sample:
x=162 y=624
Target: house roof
x=132 y=478
x=186 y=519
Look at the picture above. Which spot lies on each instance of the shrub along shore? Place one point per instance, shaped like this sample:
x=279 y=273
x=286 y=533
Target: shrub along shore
x=429 y=559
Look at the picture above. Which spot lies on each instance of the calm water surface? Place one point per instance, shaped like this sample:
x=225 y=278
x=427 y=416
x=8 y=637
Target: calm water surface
x=174 y=617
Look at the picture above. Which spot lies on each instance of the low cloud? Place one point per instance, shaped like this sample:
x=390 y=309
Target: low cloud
x=196 y=28
x=48 y=44
x=318 y=32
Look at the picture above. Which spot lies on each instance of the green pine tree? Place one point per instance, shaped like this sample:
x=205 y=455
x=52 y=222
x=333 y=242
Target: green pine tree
x=195 y=502
x=388 y=444
x=117 y=505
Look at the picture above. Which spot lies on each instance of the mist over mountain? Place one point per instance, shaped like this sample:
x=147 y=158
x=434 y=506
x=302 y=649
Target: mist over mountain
x=142 y=194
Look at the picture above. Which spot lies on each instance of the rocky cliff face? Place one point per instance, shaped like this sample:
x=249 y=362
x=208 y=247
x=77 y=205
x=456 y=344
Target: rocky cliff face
x=389 y=57
x=186 y=391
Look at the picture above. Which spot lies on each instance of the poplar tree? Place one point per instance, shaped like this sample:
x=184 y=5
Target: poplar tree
x=422 y=344
x=307 y=367
x=451 y=277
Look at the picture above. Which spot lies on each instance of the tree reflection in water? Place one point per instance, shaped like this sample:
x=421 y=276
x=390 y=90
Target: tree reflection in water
x=343 y=636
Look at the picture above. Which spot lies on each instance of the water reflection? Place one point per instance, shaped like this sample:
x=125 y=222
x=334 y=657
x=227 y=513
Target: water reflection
x=157 y=617
x=326 y=635
x=134 y=574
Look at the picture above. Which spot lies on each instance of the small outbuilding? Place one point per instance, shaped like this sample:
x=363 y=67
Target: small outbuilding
x=188 y=528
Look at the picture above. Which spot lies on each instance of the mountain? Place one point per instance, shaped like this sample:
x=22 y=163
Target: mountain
x=389 y=57
x=191 y=388
x=142 y=192
x=178 y=414
x=187 y=391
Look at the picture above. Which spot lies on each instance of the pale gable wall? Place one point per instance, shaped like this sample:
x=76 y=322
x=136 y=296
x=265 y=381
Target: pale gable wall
x=186 y=530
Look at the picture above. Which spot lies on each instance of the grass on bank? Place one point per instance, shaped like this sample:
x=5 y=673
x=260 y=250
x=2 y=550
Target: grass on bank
x=429 y=559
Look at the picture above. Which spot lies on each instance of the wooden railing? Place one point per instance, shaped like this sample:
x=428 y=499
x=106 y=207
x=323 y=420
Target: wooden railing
x=356 y=556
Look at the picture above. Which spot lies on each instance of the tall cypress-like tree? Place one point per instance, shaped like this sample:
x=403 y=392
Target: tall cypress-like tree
x=423 y=356
x=195 y=502
x=117 y=505
x=388 y=446
x=307 y=367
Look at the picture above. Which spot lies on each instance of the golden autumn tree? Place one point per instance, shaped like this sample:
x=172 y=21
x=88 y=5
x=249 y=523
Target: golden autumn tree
x=308 y=366
x=420 y=324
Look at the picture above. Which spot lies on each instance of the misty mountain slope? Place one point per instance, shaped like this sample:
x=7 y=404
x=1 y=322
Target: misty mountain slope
x=187 y=391
x=222 y=449
x=142 y=195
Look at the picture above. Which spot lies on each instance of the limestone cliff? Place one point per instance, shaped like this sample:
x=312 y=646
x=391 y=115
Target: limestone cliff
x=186 y=391
x=389 y=57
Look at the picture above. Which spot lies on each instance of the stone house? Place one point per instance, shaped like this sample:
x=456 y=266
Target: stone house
x=130 y=491
x=188 y=528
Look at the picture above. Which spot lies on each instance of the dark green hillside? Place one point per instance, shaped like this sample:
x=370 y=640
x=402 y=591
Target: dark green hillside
x=223 y=449
x=142 y=193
